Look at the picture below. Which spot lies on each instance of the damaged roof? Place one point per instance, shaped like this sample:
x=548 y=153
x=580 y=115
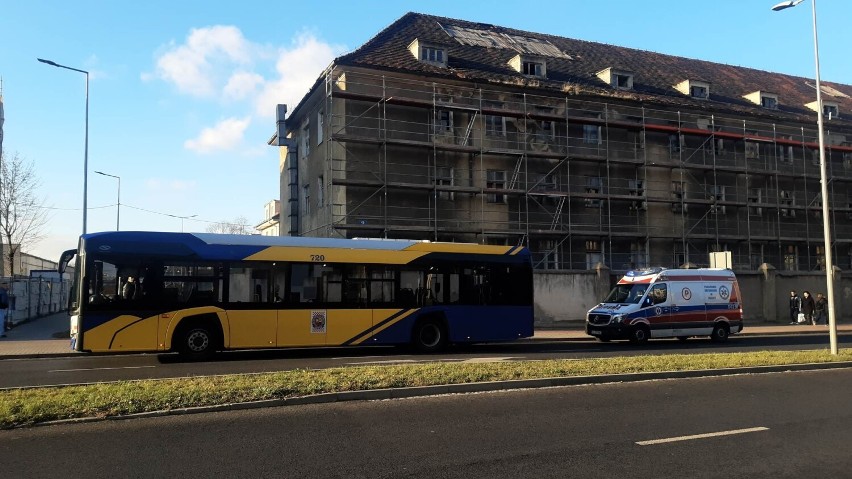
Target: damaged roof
x=481 y=53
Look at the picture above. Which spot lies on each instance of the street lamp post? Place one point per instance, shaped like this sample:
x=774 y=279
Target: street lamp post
x=86 y=151
x=829 y=266
x=118 y=200
x=184 y=218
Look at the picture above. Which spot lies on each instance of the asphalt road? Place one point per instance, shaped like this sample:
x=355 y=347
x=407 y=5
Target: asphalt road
x=83 y=369
x=781 y=425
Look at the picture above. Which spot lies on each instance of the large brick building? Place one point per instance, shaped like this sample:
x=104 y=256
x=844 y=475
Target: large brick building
x=450 y=130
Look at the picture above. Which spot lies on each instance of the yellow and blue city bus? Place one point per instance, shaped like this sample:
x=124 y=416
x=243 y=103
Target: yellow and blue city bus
x=198 y=293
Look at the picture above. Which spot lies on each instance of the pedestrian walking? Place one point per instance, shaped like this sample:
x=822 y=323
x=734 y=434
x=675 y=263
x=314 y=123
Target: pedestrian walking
x=820 y=309
x=808 y=307
x=795 y=307
x=4 y=308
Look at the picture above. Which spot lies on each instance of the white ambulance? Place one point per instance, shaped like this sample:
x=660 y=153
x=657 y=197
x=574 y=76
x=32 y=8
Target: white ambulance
x=669 y=303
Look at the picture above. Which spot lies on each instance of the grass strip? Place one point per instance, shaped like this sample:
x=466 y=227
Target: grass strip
x=21 y=407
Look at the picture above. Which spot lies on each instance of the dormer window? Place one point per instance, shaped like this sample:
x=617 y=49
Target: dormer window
x=432 y=54
x=620 y=79
x=696 y=89
x=529 y=66
x=765 y=99
x=829 y=109
x=535 y=69
x=429 y=53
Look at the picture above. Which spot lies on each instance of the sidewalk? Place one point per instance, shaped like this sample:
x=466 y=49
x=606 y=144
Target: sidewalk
x=48 y=336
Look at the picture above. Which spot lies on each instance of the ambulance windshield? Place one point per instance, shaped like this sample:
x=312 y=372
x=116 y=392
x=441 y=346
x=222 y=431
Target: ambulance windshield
x=626 y=293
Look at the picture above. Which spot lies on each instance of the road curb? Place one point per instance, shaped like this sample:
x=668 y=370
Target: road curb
x=465 y=388
x=69 y=354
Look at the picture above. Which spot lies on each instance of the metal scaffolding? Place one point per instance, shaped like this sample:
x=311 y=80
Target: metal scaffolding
x=579 y=182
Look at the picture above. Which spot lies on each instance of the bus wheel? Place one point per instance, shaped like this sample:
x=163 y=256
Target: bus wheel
x=640 y=334
x=198 y=342
x=720 y=333
x=429 y=336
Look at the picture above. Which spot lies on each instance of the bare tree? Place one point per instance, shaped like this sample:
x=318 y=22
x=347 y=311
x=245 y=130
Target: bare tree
x=237 y=227
x=22 y=213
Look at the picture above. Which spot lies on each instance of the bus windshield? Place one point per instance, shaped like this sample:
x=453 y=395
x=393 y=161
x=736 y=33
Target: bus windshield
x=626 y=294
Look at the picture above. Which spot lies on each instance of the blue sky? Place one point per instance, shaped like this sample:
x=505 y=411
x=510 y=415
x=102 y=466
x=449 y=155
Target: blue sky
x=182 y=93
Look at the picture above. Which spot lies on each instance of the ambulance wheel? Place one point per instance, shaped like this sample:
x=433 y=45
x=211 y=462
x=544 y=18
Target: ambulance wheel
x=720 y=333
x=640 y=334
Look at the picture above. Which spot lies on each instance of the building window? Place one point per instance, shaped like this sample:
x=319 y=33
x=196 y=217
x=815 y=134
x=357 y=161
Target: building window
x=593 y=187
x=306 y=139
x=319 y=127
x=622 y=81
x=790 y=258
x=320 y=191
x=830 y=111
x=678 y=195
x=755 y=197
x=545 y=130
x=637 y=188
x=718 y=194
x=496 y=180
x=535 y=69
x=549 y=251
x=638 y=258
x=788 y=199
x=592 y=134
x=818 y=204
x=306 y=195
x=847 y=160
x=785 y=153
x=444 y=121
x=699 y=91
x=444 y=177
x=752 y=150
x=675 y=144
x=594 y=255
x=495 y=125
x=432 y=54
x=769 y=102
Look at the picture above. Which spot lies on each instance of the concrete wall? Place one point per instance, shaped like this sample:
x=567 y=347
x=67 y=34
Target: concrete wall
x=563 y=298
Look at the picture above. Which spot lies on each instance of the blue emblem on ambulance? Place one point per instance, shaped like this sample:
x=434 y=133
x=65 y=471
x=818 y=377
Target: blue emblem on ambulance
x=723 y=292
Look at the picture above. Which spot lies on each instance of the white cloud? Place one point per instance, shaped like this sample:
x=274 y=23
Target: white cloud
x=242 y=85
x=225 y=135
x=195 y=66
x=219 y=63
x=297 y=68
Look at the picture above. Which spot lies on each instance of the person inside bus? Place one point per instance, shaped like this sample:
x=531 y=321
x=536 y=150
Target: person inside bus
x=130 y=289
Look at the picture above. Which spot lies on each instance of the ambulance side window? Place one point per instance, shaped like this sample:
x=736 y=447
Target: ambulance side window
x=658 y=294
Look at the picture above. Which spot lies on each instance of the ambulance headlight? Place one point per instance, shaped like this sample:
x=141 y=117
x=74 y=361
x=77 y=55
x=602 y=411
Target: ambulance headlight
x=616 y=319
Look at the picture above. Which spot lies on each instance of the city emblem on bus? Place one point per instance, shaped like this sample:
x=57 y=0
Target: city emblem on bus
x=318 y=321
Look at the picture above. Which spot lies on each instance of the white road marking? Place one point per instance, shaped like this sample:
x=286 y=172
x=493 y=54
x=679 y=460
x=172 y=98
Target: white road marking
x=701 y=436
x=96 y=369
